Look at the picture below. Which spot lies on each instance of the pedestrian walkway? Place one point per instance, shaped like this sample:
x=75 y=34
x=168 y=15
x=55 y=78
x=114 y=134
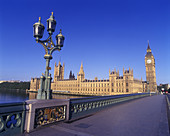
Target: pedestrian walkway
x=142 y=117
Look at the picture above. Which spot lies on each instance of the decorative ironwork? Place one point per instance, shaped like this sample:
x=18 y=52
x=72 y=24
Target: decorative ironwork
x=80 y=108
x=45 y=91
x=13 y=120
x=10 y=122
x=12 y=117
x=48 y=115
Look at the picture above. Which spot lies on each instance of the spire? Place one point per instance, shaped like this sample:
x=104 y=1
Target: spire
x=55 y=64
x=148 y=49
x=70 y=76
x=59 y=63
x=118 y=71
x=81 y=69
x=81 y=64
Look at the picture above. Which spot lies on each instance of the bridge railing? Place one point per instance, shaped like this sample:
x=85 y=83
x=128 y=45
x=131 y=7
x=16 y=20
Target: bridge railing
x=31 y=114
x=80 y=107
x=44 y=112
x=12 y=118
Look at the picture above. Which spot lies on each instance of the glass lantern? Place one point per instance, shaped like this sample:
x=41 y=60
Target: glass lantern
x=51 y=24
x=38 y=29
x=60 y=39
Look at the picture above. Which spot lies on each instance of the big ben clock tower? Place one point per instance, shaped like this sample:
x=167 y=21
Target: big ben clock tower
x=150 y=70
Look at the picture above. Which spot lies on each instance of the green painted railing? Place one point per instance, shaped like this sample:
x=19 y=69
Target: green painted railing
x=39 y=113
x=80 y=107
x=12 y=118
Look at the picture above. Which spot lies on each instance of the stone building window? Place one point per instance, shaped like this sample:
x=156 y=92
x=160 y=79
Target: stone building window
x=112 y=90
x=127 y=90
x=126 y=84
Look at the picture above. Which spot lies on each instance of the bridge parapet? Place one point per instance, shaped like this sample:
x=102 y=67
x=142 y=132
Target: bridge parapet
x=43 y=112
x=12 y=118
x=31 y=114
x=80 y=107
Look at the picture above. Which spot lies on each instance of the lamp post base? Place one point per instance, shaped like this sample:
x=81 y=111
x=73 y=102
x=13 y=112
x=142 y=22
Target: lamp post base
x=45 y=91
x=44 y=94
x=39 y=95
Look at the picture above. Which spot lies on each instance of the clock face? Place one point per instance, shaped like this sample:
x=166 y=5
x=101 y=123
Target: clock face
x=148 y=61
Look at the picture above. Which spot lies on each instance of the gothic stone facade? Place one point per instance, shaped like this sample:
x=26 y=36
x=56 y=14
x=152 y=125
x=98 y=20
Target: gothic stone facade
x=35 y=84
x=116 y=84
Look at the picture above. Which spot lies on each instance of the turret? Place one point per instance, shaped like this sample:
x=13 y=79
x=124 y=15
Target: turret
x=81 y=74
x=58 y=72
x=71 y=76
x=113 y=74
x=128 y=74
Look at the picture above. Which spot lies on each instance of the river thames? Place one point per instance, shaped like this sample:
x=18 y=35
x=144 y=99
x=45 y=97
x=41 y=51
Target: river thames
x=9 y=96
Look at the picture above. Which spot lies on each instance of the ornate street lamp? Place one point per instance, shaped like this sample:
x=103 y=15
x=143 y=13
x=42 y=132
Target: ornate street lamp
x=45 y=91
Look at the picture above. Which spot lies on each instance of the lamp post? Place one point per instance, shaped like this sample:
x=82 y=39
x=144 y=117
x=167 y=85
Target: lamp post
x=45 y=91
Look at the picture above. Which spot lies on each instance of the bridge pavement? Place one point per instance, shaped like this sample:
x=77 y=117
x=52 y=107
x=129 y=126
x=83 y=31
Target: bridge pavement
x=141 y=117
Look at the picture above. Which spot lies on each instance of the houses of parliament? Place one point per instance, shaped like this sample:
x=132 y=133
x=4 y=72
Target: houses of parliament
x=116 y=84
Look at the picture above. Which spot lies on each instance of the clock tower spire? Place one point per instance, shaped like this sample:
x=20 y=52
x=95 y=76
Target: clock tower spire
x=150 y=70
x=148 y=49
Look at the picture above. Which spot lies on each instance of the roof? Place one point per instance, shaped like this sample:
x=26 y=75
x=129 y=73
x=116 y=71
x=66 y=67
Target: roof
x=148 y=54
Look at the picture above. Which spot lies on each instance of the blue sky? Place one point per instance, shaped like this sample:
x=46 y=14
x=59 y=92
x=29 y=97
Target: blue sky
x=101 y=34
